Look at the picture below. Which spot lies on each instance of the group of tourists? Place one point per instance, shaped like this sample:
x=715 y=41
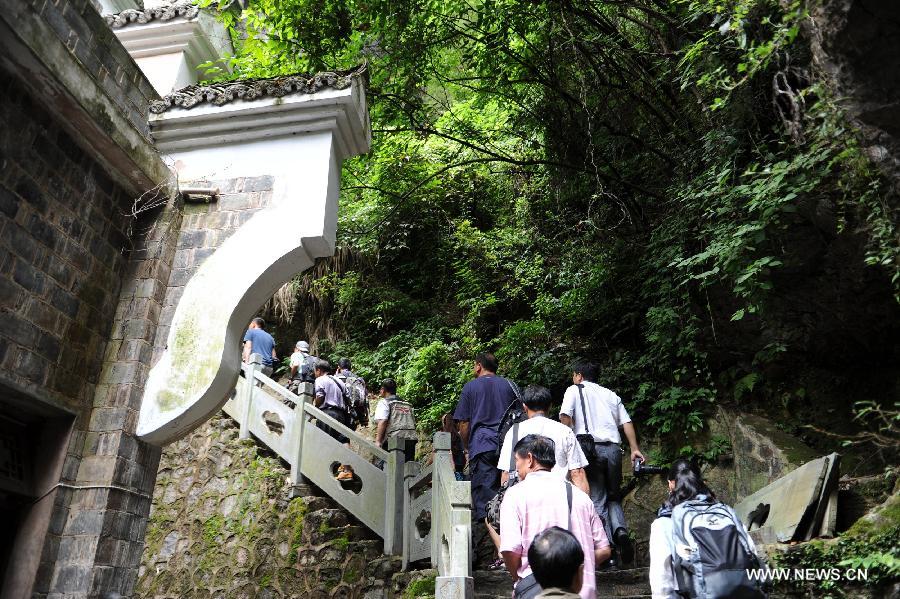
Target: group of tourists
x=530 y=473
x=698 y=549
x=548 y=491
x=338 y=392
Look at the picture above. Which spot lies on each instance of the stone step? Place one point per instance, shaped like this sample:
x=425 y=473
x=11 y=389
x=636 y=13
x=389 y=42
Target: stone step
x=492 y=584
x=633 y=582
x=316 y=502
x=622 y=584
x=346 y=534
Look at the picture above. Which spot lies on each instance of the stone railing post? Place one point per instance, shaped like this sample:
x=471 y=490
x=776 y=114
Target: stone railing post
x=410 y=471
x=307 y=392
x=441 y=446
x=253 y=366
x=395 y=489
x=297 y=440
x=451 y=532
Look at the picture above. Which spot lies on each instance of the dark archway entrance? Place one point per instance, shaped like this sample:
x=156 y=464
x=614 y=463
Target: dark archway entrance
x=34 y=437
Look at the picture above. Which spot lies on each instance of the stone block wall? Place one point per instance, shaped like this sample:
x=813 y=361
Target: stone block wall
x=222 y=526
x=81 y=288
x=205 y=227
x=85 y=34
x=63 y=253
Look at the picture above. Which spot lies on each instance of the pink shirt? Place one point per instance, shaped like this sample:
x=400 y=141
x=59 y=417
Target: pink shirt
x=539 y=502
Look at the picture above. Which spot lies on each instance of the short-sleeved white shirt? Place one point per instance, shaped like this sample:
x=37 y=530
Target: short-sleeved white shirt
x=568 y=452
x=604 y=409
x=297 y=358
x=383 y=409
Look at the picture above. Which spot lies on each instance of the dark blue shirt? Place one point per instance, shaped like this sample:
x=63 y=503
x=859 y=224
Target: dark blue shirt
x=262 y=344
x=483 y=403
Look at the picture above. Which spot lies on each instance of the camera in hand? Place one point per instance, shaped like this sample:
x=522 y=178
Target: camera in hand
x=641 y=469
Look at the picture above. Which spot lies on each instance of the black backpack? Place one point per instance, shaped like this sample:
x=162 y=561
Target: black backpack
x=514 y=413
x=355 y=399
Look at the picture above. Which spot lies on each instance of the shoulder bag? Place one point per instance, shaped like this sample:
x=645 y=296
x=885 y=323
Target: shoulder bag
x=493 y=506
x=586 y=439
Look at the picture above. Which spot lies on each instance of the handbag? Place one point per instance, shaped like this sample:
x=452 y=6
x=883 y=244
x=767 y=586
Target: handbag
x=493 y=506
x=586 y=439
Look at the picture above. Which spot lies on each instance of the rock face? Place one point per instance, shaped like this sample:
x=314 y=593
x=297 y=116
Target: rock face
x=222 y=526
x=761 y=454
x=856 y=43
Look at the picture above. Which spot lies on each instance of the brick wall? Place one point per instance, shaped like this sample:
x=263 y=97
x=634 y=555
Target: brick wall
x=62 y=254
x=79 y=303
x=103 y=531
x=84 y=32
x=62 y=258
x=204 y=228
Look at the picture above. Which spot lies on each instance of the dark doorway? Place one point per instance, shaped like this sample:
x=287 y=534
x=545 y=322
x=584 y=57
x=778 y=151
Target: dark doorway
x=34 y=437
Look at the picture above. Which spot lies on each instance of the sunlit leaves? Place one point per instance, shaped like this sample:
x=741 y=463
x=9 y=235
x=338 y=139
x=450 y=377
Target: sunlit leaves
x=741 y=40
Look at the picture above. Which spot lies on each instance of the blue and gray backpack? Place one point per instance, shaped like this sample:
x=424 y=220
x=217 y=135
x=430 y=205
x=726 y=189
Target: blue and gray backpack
x=711 y=552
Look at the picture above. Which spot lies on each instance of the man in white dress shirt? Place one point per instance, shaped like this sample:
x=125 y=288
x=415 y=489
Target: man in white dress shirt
x=591 y=409
x=570 y=461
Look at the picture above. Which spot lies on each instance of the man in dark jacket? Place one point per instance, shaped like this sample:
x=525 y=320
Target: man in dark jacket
x=482 y=404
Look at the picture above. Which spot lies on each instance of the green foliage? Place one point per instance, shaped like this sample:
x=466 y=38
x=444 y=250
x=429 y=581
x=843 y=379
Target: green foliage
x=429 y=380
x=283 y=368
x=739 y=39
x=717 y=447
x=744 y=252
x=342 y=542
x=421 y=587
x=645 y=184
x=877 y=553
x=351 y=574
x=296 y=513
x=212 y=528
x=530 y=354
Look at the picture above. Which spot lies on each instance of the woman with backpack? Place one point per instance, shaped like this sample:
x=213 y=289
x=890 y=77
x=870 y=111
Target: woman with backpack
x=698 y=546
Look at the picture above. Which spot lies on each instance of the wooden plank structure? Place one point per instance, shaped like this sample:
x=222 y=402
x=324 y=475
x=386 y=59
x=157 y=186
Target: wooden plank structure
x=421 y=512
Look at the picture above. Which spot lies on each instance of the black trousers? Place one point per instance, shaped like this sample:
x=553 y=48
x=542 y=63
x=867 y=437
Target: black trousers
x=605 y=480
x=339 y=415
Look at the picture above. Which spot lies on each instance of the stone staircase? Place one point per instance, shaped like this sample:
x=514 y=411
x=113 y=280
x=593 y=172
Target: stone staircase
x=631 y=584
x=419 y=510
x=624 y=584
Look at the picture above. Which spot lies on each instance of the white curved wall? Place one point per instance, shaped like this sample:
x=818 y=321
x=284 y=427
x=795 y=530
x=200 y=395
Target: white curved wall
x=199 y=367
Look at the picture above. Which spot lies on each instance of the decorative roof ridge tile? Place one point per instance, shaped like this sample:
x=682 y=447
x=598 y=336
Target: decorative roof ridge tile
x=167 y=12
x=219 y=94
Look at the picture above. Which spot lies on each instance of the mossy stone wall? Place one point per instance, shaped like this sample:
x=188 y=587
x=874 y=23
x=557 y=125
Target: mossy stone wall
x=222 y=526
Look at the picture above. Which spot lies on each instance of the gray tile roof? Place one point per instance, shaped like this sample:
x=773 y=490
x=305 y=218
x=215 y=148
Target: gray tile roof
x=219 y=94
x=167 y=12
